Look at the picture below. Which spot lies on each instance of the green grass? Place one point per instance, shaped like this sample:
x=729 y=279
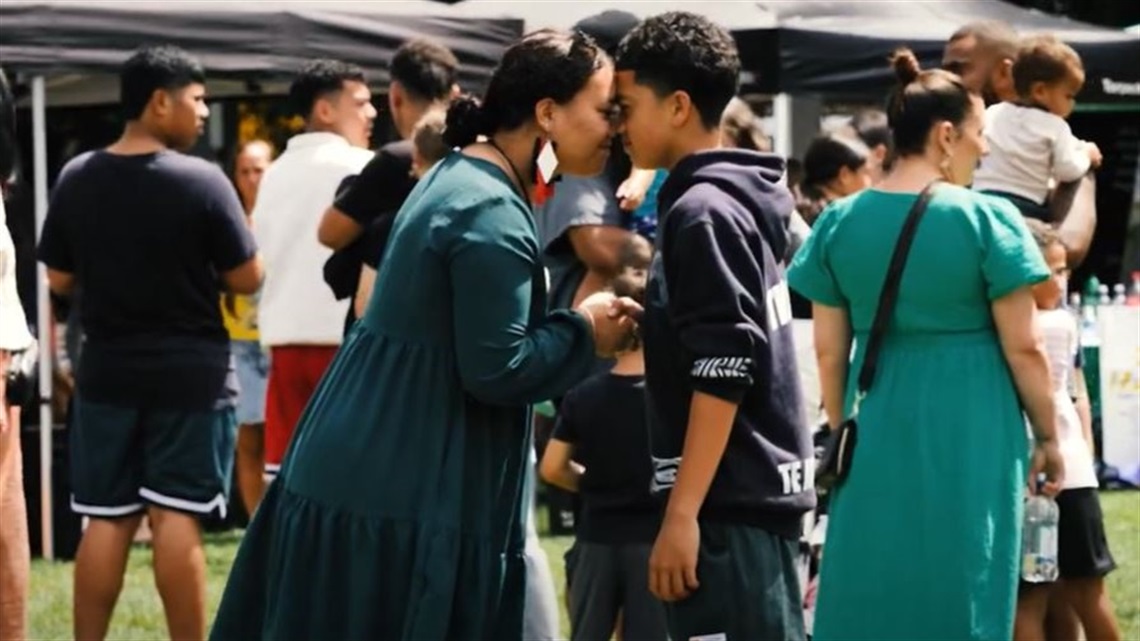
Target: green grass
x=139 y=613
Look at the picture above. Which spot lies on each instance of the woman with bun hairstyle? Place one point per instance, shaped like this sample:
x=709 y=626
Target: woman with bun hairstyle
x=398 y=510
x=924 y=534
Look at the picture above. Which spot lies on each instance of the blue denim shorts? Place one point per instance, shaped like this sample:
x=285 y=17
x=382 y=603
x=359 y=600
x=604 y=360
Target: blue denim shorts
x=252 y=364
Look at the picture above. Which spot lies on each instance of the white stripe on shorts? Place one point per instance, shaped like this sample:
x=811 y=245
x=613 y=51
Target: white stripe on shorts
x=102 y=510
x=198 y=507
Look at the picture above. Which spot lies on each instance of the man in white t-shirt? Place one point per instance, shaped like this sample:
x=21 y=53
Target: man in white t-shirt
x=300 y=320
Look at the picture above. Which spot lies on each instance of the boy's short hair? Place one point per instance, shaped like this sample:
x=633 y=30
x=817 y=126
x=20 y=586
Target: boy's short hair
x=152 y=68
x=680 y=51
x=425 y=68
x=1043 y=58
x=1044 y=234
x=318 y=79
x=427 y=136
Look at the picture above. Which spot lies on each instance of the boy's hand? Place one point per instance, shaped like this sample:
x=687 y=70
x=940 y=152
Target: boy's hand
x=673 y=562
x=1094 y=154
x=631 y=193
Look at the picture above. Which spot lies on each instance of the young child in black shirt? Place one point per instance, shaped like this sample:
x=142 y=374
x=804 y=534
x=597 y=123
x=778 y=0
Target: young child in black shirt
x=600 y=449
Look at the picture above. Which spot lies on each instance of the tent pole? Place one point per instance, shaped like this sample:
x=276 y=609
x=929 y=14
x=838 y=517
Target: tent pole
x=43 y=315
x=782 y=114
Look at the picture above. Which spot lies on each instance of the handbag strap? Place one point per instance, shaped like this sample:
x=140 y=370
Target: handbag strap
x=890 y=292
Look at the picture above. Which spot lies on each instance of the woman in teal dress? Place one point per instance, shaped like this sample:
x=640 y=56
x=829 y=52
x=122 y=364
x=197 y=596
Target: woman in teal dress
x=924 y=535
x=398 y=510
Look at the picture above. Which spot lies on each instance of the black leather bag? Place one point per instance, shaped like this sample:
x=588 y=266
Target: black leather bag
x=839 y=449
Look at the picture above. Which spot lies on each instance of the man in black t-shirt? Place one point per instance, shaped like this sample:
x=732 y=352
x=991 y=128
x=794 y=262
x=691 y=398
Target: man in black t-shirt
x=152 y=237
x=356 y=227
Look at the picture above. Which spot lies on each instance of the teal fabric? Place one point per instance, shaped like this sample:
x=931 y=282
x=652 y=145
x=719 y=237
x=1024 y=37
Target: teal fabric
x=398 y=513
x=923 y=537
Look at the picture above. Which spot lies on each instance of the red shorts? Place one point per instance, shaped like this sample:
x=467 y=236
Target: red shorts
x=294 y=371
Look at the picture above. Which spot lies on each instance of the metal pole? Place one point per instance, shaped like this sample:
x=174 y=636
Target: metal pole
x=782 y=115
x=43 y=316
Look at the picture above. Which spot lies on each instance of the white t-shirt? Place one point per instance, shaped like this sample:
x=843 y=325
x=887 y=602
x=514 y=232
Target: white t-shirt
x=1060 y=334
x=296 y=306
x=14 y=334
x=1029 y=147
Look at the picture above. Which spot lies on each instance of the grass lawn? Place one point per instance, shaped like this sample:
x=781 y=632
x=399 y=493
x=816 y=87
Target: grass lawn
x=139 y=613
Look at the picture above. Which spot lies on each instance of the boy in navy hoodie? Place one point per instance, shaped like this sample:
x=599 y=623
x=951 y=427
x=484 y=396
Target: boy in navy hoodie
x=728 y=438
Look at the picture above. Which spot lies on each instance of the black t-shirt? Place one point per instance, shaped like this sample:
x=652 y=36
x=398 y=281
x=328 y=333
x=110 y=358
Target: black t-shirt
x=147 y=238
x=372 y=200
x=604 y=419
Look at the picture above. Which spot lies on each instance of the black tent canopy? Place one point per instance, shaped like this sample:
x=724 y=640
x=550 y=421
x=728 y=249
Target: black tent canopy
x=840 y=48
x=78 y=45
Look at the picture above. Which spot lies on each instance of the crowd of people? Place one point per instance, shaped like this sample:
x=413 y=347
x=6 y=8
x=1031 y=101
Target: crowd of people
x=362 y=336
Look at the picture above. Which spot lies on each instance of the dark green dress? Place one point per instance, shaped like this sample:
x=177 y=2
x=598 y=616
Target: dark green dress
x=398 y=512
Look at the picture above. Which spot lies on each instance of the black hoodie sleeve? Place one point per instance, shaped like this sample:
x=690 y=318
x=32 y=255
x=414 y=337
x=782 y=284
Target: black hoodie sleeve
x=711 y=272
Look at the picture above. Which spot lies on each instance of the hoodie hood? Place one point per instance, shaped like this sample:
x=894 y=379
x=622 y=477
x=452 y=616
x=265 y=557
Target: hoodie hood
x=753 y=179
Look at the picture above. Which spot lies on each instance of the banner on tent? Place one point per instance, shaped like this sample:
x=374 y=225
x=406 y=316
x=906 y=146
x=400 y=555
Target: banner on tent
x=1120 y=389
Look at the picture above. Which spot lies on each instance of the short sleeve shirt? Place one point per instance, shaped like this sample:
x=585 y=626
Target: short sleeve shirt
x=148 y=238
x=576 y=202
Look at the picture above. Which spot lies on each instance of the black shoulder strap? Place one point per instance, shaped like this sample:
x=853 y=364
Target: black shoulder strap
x=890 y=292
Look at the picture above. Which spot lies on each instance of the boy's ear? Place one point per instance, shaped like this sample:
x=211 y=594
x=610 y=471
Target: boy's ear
x=680 y=107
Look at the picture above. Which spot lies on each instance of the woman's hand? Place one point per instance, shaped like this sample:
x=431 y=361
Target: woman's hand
x=613 y=330
x=1047 y=458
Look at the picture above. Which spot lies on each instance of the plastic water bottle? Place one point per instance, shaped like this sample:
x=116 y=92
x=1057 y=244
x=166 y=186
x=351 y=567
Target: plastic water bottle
x=1090 y=349
x=1118 y=294
x=1039 y=538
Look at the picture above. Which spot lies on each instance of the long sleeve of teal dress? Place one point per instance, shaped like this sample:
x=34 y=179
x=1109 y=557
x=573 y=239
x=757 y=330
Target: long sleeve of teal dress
x=509 y=350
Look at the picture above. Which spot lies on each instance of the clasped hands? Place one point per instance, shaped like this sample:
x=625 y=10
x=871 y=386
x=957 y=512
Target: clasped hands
x=614 y=321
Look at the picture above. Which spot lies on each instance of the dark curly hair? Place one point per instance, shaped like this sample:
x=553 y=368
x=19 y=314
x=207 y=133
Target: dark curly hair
x=150 y=69
x=680 y=51
x=425 y=68
x=318 y=79
x=544 y=64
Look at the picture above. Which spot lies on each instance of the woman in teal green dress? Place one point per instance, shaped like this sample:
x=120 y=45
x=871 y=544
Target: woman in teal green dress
x=924 y=535
x=398 y=510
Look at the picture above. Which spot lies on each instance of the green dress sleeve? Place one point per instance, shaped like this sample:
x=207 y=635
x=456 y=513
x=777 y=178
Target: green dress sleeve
x=505 y=355
x=1010 y=256
x=811 y=273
